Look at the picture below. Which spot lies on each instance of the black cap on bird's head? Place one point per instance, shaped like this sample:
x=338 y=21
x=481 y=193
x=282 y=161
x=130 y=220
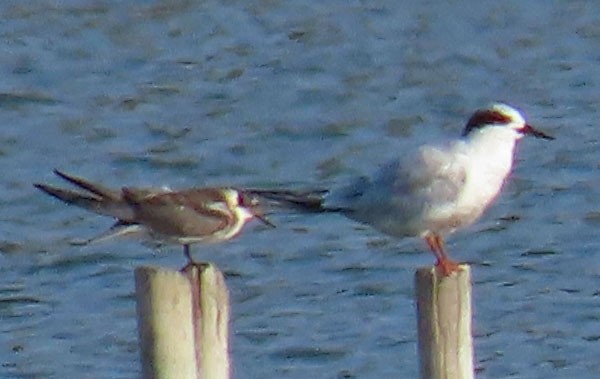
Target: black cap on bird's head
x=502 y=115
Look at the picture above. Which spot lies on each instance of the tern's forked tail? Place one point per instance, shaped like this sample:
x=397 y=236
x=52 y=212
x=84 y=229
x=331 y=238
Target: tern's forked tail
x=91 y=196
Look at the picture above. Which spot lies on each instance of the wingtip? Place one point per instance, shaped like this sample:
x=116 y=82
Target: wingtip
x=41 y=187
x=49 y=190
x=62 y=174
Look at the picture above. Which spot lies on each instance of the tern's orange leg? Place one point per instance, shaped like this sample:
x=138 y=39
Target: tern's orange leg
x=446 y=265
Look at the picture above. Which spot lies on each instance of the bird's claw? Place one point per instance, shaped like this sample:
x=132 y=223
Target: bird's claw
x=447 y=266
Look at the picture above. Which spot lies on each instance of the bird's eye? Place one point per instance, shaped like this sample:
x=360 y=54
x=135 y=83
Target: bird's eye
x=248 y=200
x=241 y=198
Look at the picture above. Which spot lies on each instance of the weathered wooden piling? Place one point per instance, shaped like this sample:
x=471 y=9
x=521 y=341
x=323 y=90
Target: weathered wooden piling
x=444 y=317
x=183 y=322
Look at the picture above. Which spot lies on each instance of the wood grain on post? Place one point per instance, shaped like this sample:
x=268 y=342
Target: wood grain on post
x=211 y=320
x=183 y=323
x=444 y=324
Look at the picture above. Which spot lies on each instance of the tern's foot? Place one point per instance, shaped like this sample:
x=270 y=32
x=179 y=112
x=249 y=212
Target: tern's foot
x=191 y=264
x=447 y=266
x=187 y=267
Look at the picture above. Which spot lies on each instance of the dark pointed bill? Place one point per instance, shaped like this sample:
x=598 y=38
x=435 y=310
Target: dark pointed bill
x=259 y=214
x=251 y=202
x=529 y=130
x=264 y=219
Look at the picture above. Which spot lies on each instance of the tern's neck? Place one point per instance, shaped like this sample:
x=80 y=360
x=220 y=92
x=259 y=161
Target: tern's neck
x=490 y=155
x=493 y=144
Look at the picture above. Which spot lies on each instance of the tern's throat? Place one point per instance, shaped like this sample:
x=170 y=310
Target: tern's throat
x=490 y=157
x=494 y=147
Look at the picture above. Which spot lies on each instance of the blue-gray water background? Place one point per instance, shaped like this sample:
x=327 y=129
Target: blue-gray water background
x=300 y=94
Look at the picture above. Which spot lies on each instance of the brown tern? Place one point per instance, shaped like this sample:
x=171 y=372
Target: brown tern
x=197 y=215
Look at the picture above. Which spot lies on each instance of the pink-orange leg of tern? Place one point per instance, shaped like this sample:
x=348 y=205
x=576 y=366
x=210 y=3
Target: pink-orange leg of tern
x=446 y=265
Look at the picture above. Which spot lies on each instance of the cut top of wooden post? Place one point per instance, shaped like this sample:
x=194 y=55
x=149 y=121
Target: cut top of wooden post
x=183 y=322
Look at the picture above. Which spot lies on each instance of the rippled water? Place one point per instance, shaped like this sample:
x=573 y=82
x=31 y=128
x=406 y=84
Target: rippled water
x=301 y=94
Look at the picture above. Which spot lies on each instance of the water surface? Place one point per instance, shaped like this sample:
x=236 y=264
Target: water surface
x=275 y=93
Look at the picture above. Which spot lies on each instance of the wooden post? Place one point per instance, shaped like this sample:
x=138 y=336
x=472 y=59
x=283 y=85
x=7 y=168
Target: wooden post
x=183 y=321
x=444 y=324
x=211 y=320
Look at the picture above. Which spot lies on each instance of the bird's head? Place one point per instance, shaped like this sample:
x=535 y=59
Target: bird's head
x=505 y=116
x=250 y=202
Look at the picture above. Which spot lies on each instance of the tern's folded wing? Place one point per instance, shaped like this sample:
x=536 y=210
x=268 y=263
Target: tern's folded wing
x=194 y=214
